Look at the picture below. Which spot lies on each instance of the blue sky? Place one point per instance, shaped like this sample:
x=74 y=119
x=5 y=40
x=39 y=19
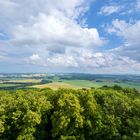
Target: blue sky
x=92 y=36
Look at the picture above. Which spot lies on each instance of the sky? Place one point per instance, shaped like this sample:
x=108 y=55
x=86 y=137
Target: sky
x=90 y=36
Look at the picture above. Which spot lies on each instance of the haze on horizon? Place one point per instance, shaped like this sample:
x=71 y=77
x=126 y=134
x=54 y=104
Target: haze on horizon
x=91 y=36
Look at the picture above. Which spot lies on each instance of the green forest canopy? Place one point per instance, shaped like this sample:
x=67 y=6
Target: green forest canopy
x=110 y=113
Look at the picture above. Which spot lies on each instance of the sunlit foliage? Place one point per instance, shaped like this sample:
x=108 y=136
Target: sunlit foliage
x=110 y=113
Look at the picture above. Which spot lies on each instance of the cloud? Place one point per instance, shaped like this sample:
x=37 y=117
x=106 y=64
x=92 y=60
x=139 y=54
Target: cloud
x=121 y=8
x=85 y=60
x=34 y=57
x=2 y=35
x=15 y=12
x=130 y=32
x=132 y=7
x=7 y=4
x=109 y=9
x=49 y=24
x=138 y=5
x=1 y=57
x=117 y=27
x=56 y=33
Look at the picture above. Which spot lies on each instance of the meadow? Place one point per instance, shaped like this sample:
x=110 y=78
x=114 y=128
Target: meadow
x=73 y=81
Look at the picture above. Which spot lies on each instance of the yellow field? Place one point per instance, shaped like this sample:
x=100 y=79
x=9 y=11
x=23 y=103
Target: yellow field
x=56 y=85
x=26 y=81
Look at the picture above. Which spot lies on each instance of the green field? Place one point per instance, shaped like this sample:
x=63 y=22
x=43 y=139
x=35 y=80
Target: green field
x=88 y=84
x=8 y=85
x=83 y=84
x=74 y=81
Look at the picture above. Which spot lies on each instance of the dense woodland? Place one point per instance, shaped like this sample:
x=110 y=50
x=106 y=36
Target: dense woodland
x=109 y=113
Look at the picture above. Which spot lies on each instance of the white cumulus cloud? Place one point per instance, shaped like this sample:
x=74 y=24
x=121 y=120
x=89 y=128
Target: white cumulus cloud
x=56 y=33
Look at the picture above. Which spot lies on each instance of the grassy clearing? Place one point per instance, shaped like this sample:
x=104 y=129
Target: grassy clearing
x=81 y=83
x=87 y=83
x=76 y=84
x=57 y=85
